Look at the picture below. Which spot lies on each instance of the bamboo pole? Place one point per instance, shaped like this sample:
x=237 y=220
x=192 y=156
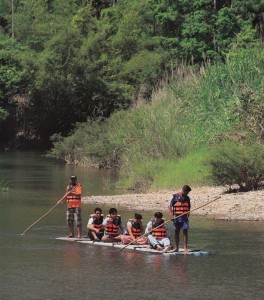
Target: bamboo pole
x=58 y=202
x=172 y=220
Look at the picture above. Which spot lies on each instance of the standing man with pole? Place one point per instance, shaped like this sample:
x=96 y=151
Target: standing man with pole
x=73 y=200
x=180 y=204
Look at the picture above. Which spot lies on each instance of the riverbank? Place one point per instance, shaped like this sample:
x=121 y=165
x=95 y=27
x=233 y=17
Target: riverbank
x=231 y=206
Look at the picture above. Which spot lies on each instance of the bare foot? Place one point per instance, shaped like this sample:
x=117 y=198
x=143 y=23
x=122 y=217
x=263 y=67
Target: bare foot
x=159 y=248
x=167 y=248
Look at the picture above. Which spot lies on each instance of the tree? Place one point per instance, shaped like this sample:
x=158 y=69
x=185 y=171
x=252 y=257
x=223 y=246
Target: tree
x=13 y=82
x=238 y=164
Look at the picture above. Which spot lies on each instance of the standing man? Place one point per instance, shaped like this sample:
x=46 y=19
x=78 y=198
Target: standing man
x=180 y=204
x=73 y=199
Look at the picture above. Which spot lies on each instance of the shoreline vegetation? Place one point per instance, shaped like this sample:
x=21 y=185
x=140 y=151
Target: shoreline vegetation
x=230 y=207
x=166 y=92
x=216 y=136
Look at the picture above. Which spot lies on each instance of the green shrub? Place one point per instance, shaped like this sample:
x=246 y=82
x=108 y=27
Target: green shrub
x=87 y=145
x=65 y=148
x=239 y=164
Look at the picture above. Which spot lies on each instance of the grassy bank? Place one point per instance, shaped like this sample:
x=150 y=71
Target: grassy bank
x=159 y=144
x=167 y=174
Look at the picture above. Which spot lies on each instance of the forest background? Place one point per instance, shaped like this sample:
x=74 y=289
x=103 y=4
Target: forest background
x=166 y=91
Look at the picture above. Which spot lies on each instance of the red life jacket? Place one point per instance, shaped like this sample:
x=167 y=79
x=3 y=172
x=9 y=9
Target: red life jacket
x=98 y=222
x=74 y=198
x=158 y=233
x=136 y=228
x=112 y=228
x=182 y=205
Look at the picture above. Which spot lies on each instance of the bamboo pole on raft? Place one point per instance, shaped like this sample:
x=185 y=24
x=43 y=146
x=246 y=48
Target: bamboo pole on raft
x=171 y=220
x=58 y=202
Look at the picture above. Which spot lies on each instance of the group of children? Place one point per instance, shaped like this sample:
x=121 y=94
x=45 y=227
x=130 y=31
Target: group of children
x=112 y=229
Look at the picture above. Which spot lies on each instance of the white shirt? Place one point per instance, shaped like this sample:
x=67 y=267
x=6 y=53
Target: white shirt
x=121 y=226
x=150 y=227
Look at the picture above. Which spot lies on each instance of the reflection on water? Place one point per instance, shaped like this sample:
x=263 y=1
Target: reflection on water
x=31 y=174
x=36 y=266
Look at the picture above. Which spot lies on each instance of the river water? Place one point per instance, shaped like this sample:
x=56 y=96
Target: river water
x=37 y=266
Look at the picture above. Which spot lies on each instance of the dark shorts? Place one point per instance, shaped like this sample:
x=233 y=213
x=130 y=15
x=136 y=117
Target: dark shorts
x=74 y=214
x=178 y=225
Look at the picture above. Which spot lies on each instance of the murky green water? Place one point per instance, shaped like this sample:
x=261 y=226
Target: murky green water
x=36 y=266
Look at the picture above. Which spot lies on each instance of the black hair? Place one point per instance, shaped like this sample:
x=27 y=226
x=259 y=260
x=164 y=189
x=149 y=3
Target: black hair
x=186 y=188
x=97 y=209
x=112 y=210
x=138 y=216
x=158 y=215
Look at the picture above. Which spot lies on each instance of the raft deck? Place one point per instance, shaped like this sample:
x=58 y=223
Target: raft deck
x=140 y=248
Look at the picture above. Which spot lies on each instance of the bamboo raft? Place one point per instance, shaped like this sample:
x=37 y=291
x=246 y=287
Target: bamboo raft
x=139 y=248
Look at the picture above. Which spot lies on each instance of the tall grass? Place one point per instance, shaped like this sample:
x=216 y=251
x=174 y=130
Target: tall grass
x=192 y=169
x=158 y=144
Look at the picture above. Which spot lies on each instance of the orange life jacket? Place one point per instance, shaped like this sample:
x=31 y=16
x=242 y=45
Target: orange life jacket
x=98 y=222
x=75 y=197
x=159 y=233
x=181 y=205
x=112 y=228
x=136 y=228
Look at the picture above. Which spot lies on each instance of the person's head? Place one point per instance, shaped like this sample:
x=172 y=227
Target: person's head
x=98 y=211
x=186 y=190
x=138 y=218
x=113 y=212
x=158 y=216
x=73 y=180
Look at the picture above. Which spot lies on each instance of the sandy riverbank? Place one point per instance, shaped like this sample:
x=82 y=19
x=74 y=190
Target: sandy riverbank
x=235 y=206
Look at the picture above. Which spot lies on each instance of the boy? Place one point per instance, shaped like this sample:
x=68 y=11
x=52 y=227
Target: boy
x=95 y=225
x=180 y=204
x=112 y=224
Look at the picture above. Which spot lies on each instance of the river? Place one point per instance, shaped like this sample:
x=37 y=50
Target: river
x=37 y=266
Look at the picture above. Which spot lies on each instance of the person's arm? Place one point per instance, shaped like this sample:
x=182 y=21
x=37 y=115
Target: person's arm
x=149 y=227
x=105 y=221
x=167 y=231
x=64 y=198
x=171 y=209
x=141 y=227
x=129 y=230
x=123 y=228
x=189 y=202
x=90 y=225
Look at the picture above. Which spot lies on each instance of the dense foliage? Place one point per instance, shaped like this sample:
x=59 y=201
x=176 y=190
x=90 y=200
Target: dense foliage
x=62 y=62
x=145 y=86
x=162 y=143
x=238 y=164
